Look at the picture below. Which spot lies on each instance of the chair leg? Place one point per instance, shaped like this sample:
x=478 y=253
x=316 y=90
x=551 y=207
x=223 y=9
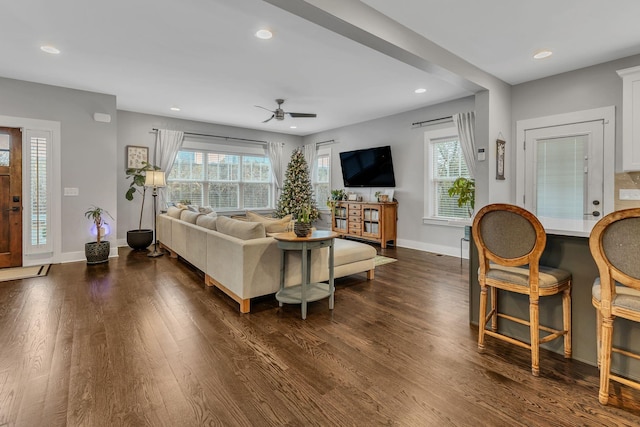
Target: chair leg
x=566 y=321
x=599 y=335
x=494 y=307
x=482 y=317
x=534 y=322
x=605 y=359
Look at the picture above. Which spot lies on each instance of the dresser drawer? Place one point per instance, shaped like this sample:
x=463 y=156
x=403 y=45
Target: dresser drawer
x=356 y=214
x=355 y=226
x=355 y=232
x=355 y=206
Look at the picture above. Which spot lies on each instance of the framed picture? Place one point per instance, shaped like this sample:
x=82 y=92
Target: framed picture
x=500 y=146
x=136 y=155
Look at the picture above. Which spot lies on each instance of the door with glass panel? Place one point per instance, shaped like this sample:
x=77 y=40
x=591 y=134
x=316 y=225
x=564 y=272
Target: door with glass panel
x=564 y=171
x=10 y=197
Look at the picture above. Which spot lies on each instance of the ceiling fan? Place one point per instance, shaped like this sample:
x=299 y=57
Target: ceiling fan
x=279 y=113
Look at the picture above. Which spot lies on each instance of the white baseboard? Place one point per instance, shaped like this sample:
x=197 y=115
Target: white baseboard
x=79 y=256
x=438 y=249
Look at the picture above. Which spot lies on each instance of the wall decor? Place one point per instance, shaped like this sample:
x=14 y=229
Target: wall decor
x=136 y=155
x=500 y=147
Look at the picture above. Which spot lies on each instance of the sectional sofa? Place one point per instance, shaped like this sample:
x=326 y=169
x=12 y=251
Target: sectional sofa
x=242 y=260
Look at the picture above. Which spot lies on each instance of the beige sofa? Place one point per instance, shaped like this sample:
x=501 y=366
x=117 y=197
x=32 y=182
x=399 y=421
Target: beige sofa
x=240 y=259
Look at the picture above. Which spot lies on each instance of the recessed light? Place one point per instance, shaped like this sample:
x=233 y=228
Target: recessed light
x=175 y=108
x=541 y=54
x=420 y=90
x=264 y=34
x=293 y=127
x=50 y=49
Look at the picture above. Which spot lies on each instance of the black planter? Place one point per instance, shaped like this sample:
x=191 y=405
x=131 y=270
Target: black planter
x=302 y=229
x=139 y=239
x=97 y=253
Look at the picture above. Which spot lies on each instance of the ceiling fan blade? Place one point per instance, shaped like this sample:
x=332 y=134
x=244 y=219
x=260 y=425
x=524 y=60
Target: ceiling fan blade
x=271 y=111
x=302 y=114
x=272 y=116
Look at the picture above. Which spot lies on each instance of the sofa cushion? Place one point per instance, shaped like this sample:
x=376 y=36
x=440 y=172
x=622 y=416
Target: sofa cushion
x=240 y=229
x=174 y=212
x=190 y=217
x=348 y=251
x=206 y=221
x=271 y=225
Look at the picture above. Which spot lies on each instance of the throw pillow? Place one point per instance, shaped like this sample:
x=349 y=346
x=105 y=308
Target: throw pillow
x=205 y=210
x=271 y=225
x=206 y=221
x=174 y=212
x=190 y=217
x=240 y=229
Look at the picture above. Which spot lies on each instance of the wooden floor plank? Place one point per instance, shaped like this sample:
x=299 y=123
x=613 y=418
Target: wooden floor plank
x=142 y=341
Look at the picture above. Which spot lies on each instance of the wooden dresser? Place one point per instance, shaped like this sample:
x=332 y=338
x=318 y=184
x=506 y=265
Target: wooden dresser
x=375 y=222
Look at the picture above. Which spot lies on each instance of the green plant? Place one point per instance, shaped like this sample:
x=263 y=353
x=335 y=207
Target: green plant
x=138 y=176
x=465 y=189
x=95 y=213
x=304 y=214
x=336 y=196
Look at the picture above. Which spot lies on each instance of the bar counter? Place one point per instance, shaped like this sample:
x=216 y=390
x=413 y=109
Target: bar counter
x=567 y=248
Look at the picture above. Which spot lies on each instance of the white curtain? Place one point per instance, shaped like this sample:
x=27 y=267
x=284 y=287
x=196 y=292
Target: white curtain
x=168 y=143
x=311 y=155
x=466 y=123
x=274 y=152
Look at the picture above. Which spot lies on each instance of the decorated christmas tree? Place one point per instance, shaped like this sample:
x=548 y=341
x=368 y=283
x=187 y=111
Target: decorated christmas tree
x=297 y=191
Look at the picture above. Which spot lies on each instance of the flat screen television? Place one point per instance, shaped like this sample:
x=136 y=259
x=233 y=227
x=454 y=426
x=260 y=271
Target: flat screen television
x=370 y=167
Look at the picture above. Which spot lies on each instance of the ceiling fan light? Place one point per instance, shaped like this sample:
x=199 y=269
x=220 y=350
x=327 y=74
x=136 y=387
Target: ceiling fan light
x=264 y=34
x=420 y=90
x=50 y=49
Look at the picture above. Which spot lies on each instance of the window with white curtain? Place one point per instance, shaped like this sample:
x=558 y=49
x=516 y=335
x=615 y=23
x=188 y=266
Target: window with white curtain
x=322 y=179
x=444 y=164
x=225 y=181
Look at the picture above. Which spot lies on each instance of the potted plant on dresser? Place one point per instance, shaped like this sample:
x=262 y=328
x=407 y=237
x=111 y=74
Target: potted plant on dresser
x=140 y=238
x=97 y=252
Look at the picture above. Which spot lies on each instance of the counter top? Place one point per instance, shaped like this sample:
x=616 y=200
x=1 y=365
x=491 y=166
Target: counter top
x=568 y=227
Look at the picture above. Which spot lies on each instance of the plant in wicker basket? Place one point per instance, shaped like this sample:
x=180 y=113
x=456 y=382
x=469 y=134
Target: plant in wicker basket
x=302 y=226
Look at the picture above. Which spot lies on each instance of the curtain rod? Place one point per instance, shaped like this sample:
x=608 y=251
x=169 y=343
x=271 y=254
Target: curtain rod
x=432 y=120
x=328 y=141
x=256 y=141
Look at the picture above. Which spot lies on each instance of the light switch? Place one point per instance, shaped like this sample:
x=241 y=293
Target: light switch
x=71 y=191
x=481 y=155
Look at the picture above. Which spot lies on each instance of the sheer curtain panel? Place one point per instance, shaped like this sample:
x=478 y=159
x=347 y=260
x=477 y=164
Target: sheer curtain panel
x=168 y=143
x=466 y=123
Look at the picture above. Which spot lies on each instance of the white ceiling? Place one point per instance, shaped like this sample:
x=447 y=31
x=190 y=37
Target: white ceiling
x=202 y=56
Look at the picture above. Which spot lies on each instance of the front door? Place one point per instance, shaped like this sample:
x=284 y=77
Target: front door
x=10 y=197
x=564 y=170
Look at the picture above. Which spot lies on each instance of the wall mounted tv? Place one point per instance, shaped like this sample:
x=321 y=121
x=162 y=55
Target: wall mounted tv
x=371 y=167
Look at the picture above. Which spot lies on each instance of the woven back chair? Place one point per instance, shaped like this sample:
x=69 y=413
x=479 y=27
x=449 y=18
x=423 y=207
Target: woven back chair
x=615 y=247
x=510 y=242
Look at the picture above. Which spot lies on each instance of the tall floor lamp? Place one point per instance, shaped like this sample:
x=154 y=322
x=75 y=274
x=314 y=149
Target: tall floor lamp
x=155 y=179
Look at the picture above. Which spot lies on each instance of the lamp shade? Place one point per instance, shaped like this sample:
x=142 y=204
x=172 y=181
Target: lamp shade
x=155 y=179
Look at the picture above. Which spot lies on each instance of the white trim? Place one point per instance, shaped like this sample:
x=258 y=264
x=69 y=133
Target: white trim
x=429 y=136
x=606 y=114
x=56 y=209
x=453 y=251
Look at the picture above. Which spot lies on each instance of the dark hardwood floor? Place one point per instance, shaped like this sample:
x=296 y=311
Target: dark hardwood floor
x=143 y=341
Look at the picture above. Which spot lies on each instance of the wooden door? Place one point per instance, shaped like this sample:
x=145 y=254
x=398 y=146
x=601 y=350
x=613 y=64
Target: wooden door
x=10 y=197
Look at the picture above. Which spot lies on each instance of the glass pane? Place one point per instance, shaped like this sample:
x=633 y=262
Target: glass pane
x=322 y=169
x=256 y=195
x=223 y=167
x=256 y=169
x=39 y=202
x=447 y=206
x=322 y=194
x=4 y=149
x=448 y=161
x=188 y=167
x=185 y=192
x=224 y=196
x=560 y=177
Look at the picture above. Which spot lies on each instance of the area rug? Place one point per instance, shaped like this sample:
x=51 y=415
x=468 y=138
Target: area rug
x=382 y=260
x=16 y=273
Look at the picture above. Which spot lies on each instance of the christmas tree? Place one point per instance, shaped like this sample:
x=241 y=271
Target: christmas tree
x=297 y=191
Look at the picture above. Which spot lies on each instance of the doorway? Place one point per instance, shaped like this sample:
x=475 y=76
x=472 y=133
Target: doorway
x=10 y=197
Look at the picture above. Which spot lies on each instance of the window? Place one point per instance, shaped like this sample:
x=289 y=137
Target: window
x=322 y=178
x=38 y=179
x=224 y=181
x=444 y=164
